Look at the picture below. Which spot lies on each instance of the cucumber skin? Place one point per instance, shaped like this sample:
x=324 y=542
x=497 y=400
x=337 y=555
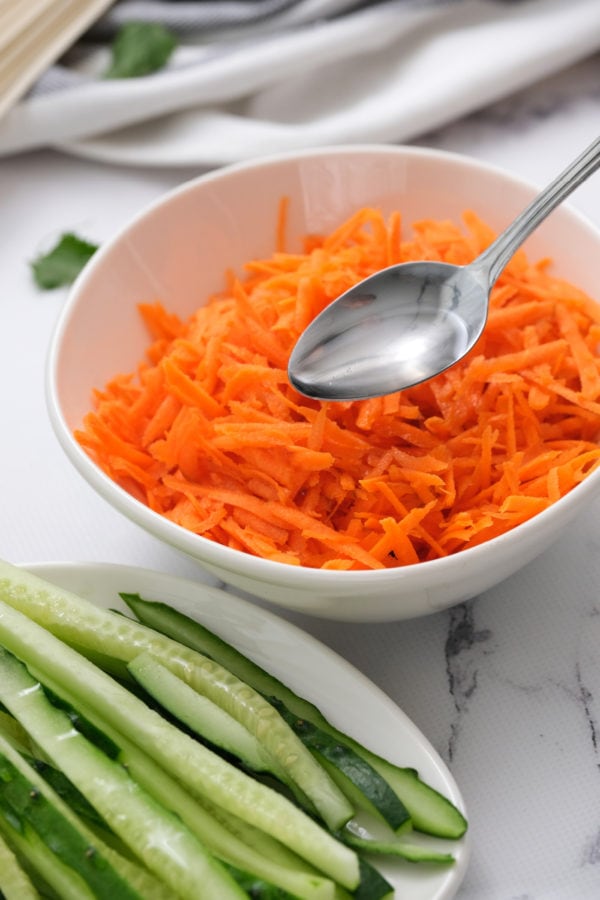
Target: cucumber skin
x=354 y=767
x=28 y=804
x=445 y=820
x=51 y=877
x=256 y=888
x=15 y=884
x=65 y=790
x=373 y=886
x=73 y=805
x=408 y=851
x=83 y=725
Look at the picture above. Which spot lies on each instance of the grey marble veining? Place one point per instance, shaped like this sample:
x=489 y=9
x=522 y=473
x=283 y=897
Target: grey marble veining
x=462 y=652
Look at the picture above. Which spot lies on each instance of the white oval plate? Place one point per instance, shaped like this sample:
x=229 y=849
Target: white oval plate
x=344 y=695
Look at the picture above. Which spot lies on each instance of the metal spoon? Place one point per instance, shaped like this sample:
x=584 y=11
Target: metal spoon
x=412 y=321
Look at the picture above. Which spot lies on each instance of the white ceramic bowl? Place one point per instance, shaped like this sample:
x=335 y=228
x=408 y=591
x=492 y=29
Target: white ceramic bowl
x=178 y=250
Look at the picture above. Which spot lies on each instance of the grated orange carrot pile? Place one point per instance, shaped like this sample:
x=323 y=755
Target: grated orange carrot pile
x=209 y=433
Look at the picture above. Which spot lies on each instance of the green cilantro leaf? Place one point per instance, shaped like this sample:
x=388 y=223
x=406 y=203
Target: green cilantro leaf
x=140 y=48
x=63 y=263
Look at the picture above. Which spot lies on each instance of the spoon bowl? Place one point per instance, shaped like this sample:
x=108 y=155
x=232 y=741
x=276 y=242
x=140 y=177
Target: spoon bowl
x=395 y=327
x=412 y=321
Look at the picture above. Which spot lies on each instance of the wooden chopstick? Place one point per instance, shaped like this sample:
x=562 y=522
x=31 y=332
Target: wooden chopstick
x=34 y=35
x=16 y=17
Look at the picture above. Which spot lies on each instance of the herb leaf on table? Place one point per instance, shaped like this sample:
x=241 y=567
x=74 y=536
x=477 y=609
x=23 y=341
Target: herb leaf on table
x=61 y=265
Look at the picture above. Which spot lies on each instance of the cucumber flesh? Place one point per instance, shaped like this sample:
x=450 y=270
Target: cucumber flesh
x=63 y=788
x=430 y=811
x=397 y=846
x=155 y=835
x=84 y=726
x=15 y=884
x=259 y=889
x=75 y=620
x=201 y=715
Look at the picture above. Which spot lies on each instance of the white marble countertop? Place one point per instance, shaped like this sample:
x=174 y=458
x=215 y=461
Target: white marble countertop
x=506 y=686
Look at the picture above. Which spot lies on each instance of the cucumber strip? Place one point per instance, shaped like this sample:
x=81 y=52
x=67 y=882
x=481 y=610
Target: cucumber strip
x=15 y=884
x=430 y=811
x=115 y=667
x=211 y=722
x=155 y=835
x=76 y=809
x=58 y=782
x=257 y=888
x=83 y=725
x=373 y=886
x=368 y=789
x=226 y=836
x=412 y=852
x=360 y=801
x=200 y=714
x=13 y=732
x=22 y=797
x=195 y=765
x=77 y=620
x=65 y=883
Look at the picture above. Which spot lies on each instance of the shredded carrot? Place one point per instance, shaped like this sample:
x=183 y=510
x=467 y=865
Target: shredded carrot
x=209 y=433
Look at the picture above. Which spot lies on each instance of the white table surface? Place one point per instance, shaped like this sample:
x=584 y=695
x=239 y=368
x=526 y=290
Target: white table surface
x=507 y=686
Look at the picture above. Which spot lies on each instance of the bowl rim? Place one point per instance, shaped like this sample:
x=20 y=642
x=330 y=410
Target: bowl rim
x=222 y=557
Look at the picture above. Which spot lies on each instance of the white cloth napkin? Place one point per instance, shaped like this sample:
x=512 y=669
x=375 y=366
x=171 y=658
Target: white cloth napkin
x=280 y=75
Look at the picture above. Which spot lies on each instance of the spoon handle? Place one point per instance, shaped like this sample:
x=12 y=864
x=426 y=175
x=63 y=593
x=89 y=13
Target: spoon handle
x=493 y=260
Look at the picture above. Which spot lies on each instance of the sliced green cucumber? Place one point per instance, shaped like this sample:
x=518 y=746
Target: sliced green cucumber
x=400 y=846
x=64 y=789
x=12 y=732
x=77 y=621
x=15 y=884
x=360 y=781
x=71 y=804
x=259 y=889
x=373 y=886
x=154 y=834
x=430 y=811
x=201 y=715
x=83 y=725
x=43 y=864
x=227 y=837
x=22 y=801
x=196 y=766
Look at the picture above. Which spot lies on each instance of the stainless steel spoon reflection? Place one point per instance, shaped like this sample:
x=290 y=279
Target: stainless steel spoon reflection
x=409 y=322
